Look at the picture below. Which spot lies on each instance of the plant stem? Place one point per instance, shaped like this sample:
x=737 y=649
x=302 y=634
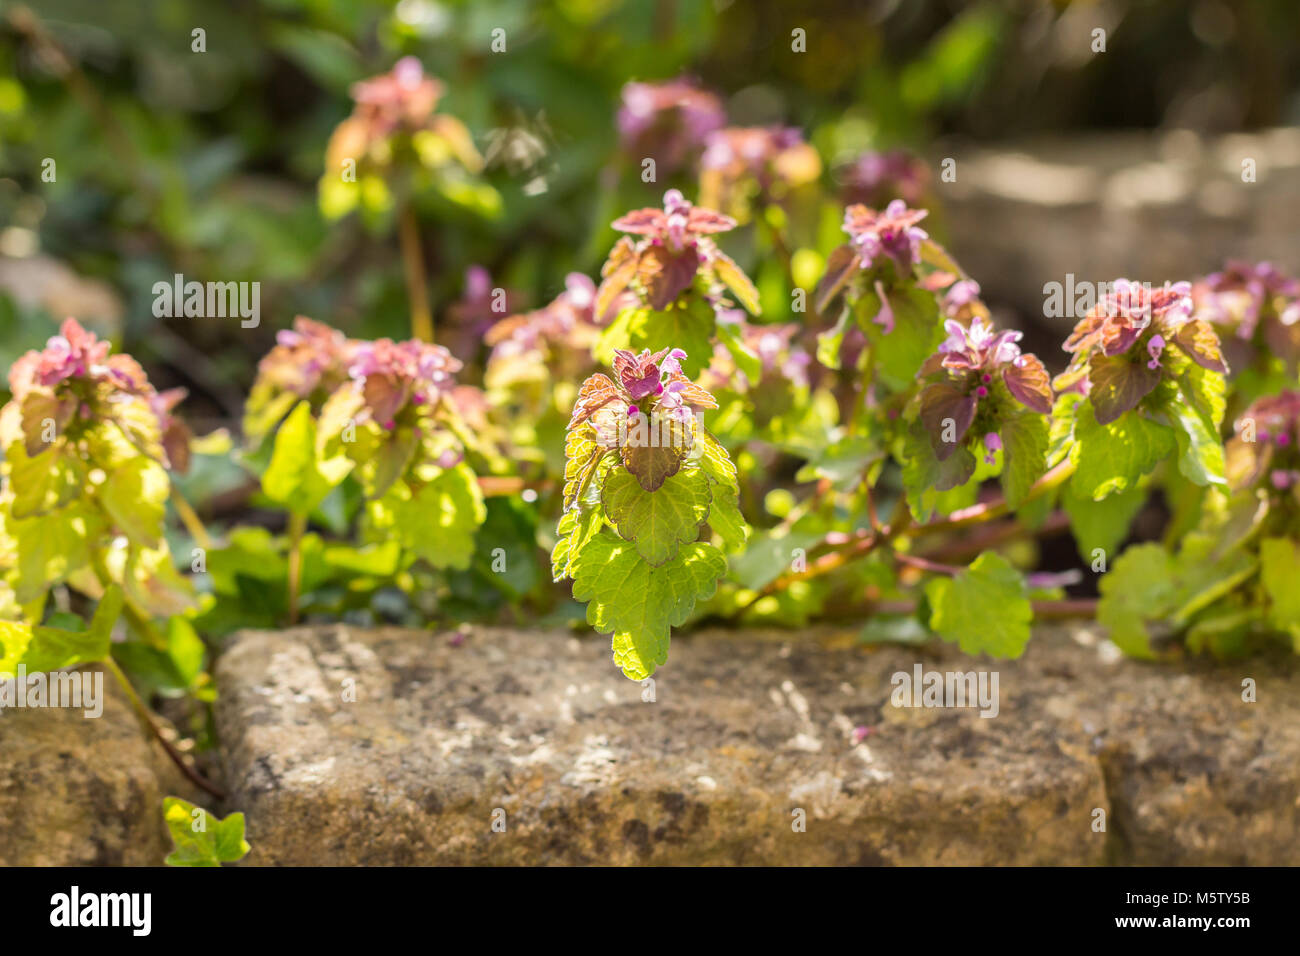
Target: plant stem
x=297 y=526
x=146 y=718
x=191 y=520
x=416 y=287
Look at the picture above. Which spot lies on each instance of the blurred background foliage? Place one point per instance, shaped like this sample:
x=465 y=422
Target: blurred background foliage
x=206 y=163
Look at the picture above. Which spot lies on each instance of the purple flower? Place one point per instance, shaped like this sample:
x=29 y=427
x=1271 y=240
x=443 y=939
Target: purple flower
x=891 y=233
x=992 y=444
x=1155 y=346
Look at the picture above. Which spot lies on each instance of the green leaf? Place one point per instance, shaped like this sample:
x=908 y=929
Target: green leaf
x=1024 y=446
x=53 y=546
x=577 y=526
x=916 y=334
x=689 y=328
x=44 y=483
x=933 y=485
x=746 y=361
x=1118 y=383
x=1101 y=524
x=296 y=478
x=438 y=521
x=135 y=497
x=1200 y=452
x=201 y=838
x=985 y=608
x=658 y=521
x=1139 y=587
x=52 y=648
x=1113 y=457
x=639 y=603
x=1279 y=567
x=725 y=517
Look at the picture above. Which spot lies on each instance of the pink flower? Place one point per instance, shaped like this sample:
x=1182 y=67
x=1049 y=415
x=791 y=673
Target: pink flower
x=992 y=444
x=891 y=233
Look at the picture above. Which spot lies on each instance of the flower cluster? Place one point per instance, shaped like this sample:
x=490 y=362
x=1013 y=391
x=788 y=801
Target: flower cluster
x=569 y=320
x=965 y=375
x=1266 y=445
x=75 y=383
x=1250 y=303
x=741 y=164
x=647 y=388
x=674 y=247
x=399 y=104
x=667 y=122
x=390 y=375
x=876 y=178
x=1119 y=347
x=874 y=237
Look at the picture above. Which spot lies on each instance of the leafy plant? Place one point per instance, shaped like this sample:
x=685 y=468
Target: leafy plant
x=201 y=838
x=643 y=480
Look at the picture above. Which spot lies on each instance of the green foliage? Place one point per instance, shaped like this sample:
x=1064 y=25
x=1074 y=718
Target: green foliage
x=984 y=609
x=201 y=838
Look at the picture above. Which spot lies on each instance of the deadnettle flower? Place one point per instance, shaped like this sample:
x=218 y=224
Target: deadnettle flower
x=667 y=122
x=874 y=237
x=784 y=361
x=570 y=319
x=646 y=412
x=389 y=375
x=876 y=178
x=966 y=372
x=307 y=357
x=767 y=160
x=1248 y=301
x=398 y=103
x=75 y=379
x=893 y=233
x=674 y=247
x=1265 y=446
x=1120 y=345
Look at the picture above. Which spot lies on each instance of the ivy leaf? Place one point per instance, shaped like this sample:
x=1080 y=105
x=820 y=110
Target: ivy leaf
x=639 y=603
x=296 y=478
x=1024 y=446
x=201 y=838
x=135 y=497
x=1279 y=567
x=1118 y=384
x=1113 y=457
x=985 y=608
x=657 y=521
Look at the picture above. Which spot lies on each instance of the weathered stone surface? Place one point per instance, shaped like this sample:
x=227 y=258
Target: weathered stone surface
x=79 y=791
x=1145 y=206
x=745 y=729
